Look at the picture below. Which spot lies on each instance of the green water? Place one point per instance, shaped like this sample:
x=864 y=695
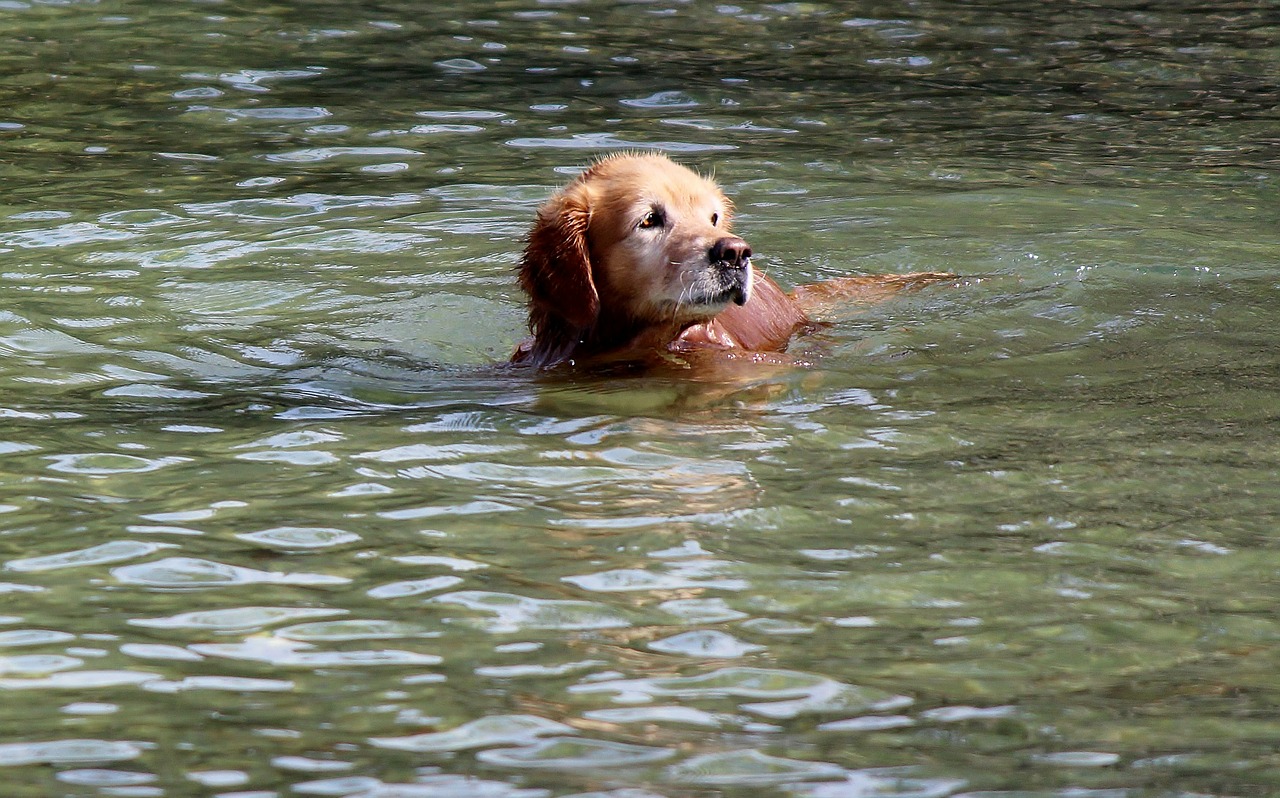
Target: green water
x=273 y=522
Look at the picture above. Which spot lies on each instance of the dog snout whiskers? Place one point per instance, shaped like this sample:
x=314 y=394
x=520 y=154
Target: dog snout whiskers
x=731 y=258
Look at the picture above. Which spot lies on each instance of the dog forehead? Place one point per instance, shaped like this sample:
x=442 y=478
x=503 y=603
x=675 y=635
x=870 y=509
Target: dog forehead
x=653 y=180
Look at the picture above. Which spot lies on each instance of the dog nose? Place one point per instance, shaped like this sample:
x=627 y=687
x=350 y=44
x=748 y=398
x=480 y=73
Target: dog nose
x=732 y=251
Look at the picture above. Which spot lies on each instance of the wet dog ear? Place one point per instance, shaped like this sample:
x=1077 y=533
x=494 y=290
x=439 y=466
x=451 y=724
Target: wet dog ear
x=556 y=268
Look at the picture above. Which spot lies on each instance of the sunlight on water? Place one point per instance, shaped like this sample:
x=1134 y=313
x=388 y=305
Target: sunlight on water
x=276 y=519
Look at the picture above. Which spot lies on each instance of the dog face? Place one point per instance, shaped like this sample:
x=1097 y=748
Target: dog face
x=661 y=243
x=635 y=242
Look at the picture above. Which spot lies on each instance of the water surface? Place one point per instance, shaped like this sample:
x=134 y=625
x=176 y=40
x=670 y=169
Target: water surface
x=275 y=521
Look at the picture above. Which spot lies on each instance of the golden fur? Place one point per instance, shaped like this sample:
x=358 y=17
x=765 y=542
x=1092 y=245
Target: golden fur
x=636 y=256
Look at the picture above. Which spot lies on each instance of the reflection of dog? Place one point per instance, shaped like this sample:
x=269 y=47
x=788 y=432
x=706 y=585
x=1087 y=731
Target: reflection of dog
x=635 y=256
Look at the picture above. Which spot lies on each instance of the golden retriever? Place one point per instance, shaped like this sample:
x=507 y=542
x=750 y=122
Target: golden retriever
x=635 y=257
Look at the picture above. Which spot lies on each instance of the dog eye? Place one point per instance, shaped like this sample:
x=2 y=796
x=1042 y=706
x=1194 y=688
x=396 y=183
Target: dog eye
x=715 y=219
x=651 y=220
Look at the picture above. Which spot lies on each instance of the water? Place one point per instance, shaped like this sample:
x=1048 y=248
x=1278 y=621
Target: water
x=274 y=521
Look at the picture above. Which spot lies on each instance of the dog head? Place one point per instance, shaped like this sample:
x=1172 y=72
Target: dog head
x=634 y=243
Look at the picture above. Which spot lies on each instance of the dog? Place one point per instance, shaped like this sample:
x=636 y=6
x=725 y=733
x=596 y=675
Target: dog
x=636 y=257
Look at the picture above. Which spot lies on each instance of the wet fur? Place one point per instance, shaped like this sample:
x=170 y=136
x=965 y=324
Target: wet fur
x=603 y=283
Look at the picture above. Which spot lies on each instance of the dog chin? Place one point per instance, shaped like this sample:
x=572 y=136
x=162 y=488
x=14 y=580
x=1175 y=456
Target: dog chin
x=734 y=294
x=722 y=286
x=736 y=288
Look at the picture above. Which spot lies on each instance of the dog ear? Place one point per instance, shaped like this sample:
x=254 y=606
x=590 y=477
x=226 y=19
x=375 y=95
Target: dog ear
x=556 y=268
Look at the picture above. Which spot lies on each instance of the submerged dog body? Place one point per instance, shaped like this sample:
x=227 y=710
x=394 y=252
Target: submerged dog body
x=636 y=256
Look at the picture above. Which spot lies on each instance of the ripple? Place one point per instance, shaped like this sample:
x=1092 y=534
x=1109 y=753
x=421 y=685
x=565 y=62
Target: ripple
x=750 y=767
x=341 y=786
x=107 y=463
x=963 y=713
x=436 y=129
x=465 y=114
x=518 y=613
x=350 y=240
x=238 y=619
x=461 y=65
x=254 y=78
x=33 y=637
x=414 y=587
x=280 y=113
x=322 y=154
x=1078 y=759
x=33 y=664
x=574 y=754
x=702 y=610
x=705 y=643
x=662 y=99
x=533 y=476
x=298 y=538
x=63 y=236
x=159 y=651
x=98 y=777
x=296 y=205
x=147 y=391
x=868 y=723
x=142 y=218
x=297 y=458
x=423 y=451
x=9 y=587
x=452 y=563
x=202 y=255
x=192 y=573
x=290 y=440
x=218 y=778
x=736 y=127
x=681 y=575
x=532 y=670
x=659 y=714
x=607 y=141
x=65 y=752
x=303 y=764
x=778 y=626
x=494 y=224
x=80 y=680
x=354 y=630
x=287 y=653
x=199 y=157
x=48 y=342
x=115 y=551
x=90 y=708
x=231 y=684
x=478 y=507
x=791 y=692
x=426 y=784
x=840 y=555
x=481 y=733
x=910 y=61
